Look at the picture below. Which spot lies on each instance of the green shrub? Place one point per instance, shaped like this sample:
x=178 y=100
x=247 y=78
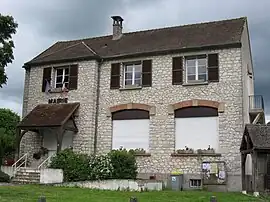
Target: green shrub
x=75 y=166
x=124 y=164
x=118 y=164
x=101 y=167
x=4 y=177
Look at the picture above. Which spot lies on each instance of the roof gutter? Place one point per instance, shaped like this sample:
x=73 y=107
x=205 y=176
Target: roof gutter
x=100 y=62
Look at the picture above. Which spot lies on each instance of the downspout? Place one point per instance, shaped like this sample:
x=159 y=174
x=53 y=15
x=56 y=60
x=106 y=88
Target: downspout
x=100 y=61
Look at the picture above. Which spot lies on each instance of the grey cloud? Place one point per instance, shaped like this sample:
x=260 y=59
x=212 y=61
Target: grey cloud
x=41 y=23
x=68 y=19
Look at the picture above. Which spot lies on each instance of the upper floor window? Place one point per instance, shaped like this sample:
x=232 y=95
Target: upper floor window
x=133 y=74
x=61 y=77
x=67 y=75
x=196 y=69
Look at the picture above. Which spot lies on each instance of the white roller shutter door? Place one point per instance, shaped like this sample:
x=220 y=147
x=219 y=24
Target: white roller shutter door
x=130 y=134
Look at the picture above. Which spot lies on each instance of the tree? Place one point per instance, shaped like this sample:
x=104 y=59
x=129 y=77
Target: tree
x=7 y=27
x=8 y=123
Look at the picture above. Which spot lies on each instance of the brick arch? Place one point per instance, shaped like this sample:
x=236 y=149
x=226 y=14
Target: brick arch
x=131 y=106
x=199 y=102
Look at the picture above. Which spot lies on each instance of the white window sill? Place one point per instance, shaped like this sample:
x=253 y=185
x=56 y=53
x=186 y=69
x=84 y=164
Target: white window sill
x=56 y=90
x=131 y=88
x=196 y=83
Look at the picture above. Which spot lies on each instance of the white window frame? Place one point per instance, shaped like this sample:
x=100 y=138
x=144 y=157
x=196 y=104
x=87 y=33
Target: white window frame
x=191 y=181
x=63 y=76
x=196 y=70
x=133 y=74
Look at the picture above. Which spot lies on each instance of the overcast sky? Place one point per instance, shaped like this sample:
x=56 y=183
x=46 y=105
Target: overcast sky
x=41 y=23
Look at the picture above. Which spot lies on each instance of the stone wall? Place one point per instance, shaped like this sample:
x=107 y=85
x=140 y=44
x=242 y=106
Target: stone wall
x=162 y=94
x=118 y=185
x=51 y=176
x=85 y=94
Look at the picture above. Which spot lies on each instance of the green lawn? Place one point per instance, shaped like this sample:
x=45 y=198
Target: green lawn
x=59 y=194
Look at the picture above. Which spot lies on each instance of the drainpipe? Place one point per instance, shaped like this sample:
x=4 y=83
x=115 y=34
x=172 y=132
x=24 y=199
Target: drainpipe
x=97 y=105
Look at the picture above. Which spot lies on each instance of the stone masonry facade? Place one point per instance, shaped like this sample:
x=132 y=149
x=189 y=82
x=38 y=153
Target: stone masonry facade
x=163 y=97
x=85 y=94
x=160 y=100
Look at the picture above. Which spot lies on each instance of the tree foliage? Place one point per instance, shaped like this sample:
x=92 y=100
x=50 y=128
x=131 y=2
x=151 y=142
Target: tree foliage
x=8 y=122
x=7 y=27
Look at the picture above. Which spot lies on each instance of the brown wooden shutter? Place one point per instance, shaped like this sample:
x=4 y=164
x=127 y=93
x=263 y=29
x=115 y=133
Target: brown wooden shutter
x=177 y=71
x=213 y=69
x=115 y=75
x=73 y=77
x=147 y=73
x=46 y=77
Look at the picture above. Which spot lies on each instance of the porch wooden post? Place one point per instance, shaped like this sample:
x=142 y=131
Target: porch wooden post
x=243 y=171
x=17 y=144
x=19 y=135
x=255 y=176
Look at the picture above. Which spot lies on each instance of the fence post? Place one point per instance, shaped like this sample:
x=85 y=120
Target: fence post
x=213 y=199
x=133 y=199
x=42 y=199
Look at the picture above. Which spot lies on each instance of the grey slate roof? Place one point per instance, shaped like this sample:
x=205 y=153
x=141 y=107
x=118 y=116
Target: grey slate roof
x=259 y=135
x=201 y=35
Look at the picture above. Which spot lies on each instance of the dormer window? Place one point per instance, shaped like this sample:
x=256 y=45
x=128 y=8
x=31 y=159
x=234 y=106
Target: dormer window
x=61 y=76
x=133 y=74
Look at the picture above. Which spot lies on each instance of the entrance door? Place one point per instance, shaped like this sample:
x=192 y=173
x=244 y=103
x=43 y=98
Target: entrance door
x=50 y=141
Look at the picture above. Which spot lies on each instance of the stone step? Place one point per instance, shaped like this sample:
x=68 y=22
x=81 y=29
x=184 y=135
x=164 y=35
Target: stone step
x=20 y=181
x=27 y=176
x=25 y=181
x=29 y=170
x=26 y=173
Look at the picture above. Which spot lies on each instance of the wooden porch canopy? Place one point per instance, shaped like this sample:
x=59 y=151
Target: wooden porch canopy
x=255 y=141
x=54 y=116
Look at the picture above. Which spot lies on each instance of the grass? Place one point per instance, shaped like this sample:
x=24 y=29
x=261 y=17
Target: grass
x=31 y=193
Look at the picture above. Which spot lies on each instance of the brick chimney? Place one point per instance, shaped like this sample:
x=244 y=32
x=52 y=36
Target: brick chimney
x=117 y=27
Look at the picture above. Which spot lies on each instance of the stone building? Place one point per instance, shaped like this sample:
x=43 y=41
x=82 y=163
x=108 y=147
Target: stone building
x=182 y=95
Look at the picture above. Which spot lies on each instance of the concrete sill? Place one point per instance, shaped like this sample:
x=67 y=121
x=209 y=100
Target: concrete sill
x=56 y=90
x=144 y=155
x=131 y=88
x=195 y=154
x=195 y=83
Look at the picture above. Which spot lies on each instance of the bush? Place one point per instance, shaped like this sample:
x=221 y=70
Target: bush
x=75 y=166
x=4 y=177
x=118 y=164
x=124 y=164
x=101 y=167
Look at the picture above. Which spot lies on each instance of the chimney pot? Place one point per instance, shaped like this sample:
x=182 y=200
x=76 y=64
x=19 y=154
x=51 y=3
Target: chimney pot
x=117 y=27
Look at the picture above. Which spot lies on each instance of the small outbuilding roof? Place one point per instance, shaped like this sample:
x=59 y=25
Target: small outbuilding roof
x=256 y=136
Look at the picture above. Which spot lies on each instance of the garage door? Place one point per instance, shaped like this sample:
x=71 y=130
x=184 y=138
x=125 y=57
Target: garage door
x=196 y=130
x=130 y=129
